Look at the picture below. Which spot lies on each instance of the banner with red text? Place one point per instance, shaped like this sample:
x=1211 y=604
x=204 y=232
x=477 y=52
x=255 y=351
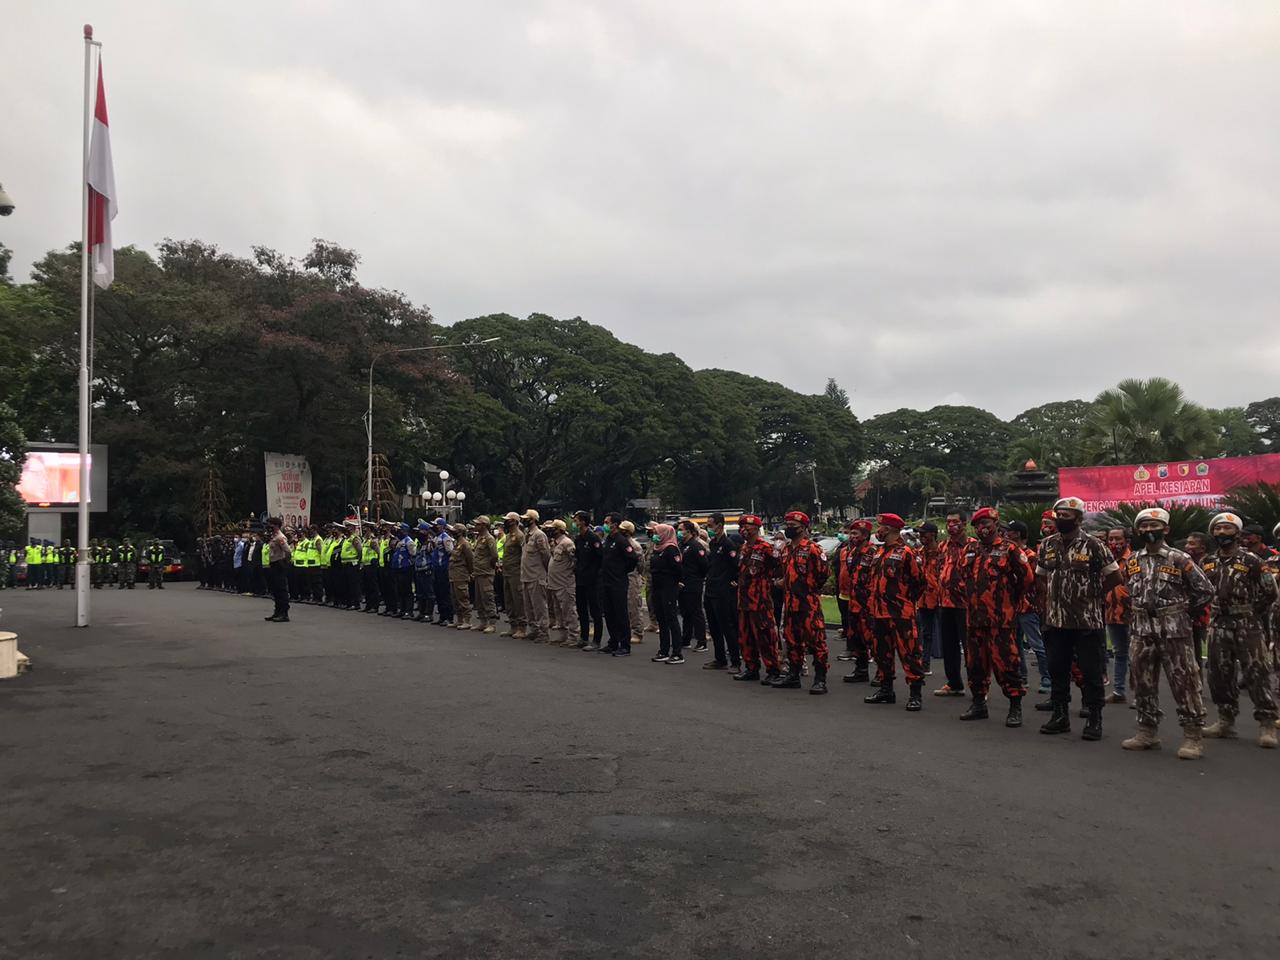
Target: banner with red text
x=289 y=488
x=1198 y=483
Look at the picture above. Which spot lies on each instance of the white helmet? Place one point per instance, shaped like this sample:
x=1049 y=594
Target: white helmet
x=1151 y=513
x=1226 y=518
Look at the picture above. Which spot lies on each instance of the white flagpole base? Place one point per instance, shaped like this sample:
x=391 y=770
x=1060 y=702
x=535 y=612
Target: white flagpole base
x=82 y=593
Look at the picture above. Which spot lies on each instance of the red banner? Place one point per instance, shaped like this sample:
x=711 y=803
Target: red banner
x=1198 y=483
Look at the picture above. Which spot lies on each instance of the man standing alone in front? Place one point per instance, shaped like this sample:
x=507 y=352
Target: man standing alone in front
x=278 y=570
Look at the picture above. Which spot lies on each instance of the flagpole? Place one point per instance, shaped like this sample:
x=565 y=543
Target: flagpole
x=82 y=505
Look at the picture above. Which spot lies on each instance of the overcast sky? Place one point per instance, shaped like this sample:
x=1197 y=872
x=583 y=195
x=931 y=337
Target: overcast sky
x=996 y=203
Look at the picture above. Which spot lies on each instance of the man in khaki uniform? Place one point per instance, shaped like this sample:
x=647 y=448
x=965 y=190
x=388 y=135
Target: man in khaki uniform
x=460 y=568
x=534 y=559
x=637 y=612
x=484 y=562
x=513 y=598
x=561 y=583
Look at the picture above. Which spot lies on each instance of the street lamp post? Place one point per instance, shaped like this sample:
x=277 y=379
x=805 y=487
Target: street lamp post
x=368 y=421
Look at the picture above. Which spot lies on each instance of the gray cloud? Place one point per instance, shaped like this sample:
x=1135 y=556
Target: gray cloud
x=997 y=203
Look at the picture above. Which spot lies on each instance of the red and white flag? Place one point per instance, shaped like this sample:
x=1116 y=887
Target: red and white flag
x=102 y=192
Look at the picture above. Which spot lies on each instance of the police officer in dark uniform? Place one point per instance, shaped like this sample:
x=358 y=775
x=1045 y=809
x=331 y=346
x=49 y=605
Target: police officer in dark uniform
x=588 y=554
x=620 y=558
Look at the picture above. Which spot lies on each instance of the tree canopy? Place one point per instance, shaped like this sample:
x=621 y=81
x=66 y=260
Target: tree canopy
x=204 y=359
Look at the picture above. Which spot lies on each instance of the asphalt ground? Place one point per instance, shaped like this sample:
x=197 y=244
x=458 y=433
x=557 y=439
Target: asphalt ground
x=185 y=780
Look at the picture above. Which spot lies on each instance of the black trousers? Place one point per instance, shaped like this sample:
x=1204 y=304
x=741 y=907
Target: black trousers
x=351 y=584
x=664 y=607
x=586 y=598
x=953 y=630
x=722 y=622
x=1088 y=649
x=614 y=597
x=372 y=595
x=692 y=617
x=403 y=579
x=278 y=575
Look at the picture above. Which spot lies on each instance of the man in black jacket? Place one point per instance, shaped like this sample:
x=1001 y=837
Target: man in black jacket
x=619 y=560
x=721 y=598
x=587 y=558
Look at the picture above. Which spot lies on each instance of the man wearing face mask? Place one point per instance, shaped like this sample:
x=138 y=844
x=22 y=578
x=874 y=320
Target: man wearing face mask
x=588 y=554
x=951 y=612
x=722 y=595
x=1242 y=595
x=1075 y=570
x=561 y=579
x=1117 y=615
x=758 y=565
x=620 y=558
x=997 y=576
x=843 y=568
x=860 y=563
x=637 y=603
x=804 y=573
x=534 y=559
x=896 y=583
x=1164 y=585
x=512 y=550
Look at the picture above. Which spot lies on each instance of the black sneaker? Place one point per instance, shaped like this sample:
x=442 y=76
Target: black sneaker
x=675 y=658
x=700 y=648
x=713 y=665
x=660 y=658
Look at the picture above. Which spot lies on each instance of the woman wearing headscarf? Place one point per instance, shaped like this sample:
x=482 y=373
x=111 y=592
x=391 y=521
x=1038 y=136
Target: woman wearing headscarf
x=666 y=567
x=696 y=559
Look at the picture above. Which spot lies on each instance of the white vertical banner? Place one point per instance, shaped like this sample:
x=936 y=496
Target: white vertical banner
x=288 y=488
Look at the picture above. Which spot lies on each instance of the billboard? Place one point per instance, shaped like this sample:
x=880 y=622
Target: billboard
x=1190 y=483
x=51 y=478
x=288 y=488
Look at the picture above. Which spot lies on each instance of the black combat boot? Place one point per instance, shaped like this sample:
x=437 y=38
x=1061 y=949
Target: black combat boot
x=747 y=674
x=977 y=709
x=1060 y=721
x=819 y=682
x=769 y=679
x=860 y=674
x=1093 y=724
x=789 y=680
x=884 y=694
x=914 y=703
x=1014 y=719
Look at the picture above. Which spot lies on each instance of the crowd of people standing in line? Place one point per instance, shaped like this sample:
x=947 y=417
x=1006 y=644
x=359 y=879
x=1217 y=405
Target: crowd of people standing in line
x=987 y=603
x=49 y=566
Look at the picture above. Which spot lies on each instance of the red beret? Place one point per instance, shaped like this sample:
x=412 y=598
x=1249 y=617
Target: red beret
x=986 y=513
x=892 y=520
x=751 y=519
x=861 y=525
x=1048 y=515
x=796 y=516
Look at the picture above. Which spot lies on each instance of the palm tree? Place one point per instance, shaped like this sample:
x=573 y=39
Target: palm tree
x=1142 y=421
x=928 y=481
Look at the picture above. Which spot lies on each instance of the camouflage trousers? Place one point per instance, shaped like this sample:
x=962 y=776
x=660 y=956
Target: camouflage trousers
x=1181 y=669
x=994 y=649
x=1239 y=645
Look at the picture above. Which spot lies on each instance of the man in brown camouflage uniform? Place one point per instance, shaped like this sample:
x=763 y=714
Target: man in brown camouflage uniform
x=1242 y=595
x=1164 y=586
x=1075 y=572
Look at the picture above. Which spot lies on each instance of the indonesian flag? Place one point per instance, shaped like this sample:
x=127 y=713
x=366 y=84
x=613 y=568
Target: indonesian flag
x=102 y=192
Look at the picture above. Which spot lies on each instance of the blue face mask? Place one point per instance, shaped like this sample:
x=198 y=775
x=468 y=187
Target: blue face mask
x=842 y=537
x=656 y=539
x=608 y=528
x=679 y=535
